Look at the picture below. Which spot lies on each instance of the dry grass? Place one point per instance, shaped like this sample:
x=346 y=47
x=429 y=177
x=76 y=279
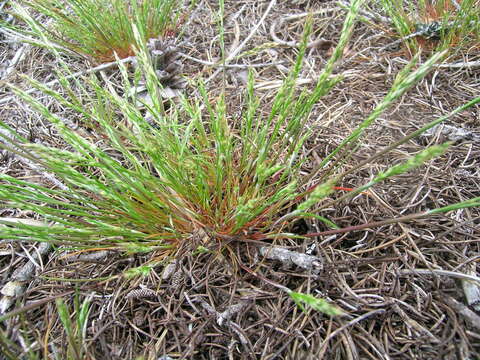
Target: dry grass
x=393 y=313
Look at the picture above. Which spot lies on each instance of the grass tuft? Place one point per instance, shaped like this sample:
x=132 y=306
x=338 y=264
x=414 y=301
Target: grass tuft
x=141 y=185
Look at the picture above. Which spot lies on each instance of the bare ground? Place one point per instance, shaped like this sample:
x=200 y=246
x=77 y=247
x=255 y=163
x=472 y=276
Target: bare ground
x=213 y=306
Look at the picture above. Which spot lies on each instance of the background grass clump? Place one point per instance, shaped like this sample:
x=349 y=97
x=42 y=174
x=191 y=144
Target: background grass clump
x=436 y=25
x=96 y=29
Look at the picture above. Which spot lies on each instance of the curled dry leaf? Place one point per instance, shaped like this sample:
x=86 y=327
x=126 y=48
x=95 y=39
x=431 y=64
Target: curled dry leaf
x=288 y=258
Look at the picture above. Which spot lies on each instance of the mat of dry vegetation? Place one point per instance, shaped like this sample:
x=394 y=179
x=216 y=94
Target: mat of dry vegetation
x=212 y=306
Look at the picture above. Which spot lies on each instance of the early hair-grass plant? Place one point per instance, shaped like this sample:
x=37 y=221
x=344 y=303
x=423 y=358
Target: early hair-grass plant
x=149 y=187
x=96 y=29
x=75 y=330
x=195 y=176
x=73 y=323
x=436 y=25
x=156 y=185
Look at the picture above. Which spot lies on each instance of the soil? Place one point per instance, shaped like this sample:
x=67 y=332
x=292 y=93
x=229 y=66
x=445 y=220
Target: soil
x=211 y=307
